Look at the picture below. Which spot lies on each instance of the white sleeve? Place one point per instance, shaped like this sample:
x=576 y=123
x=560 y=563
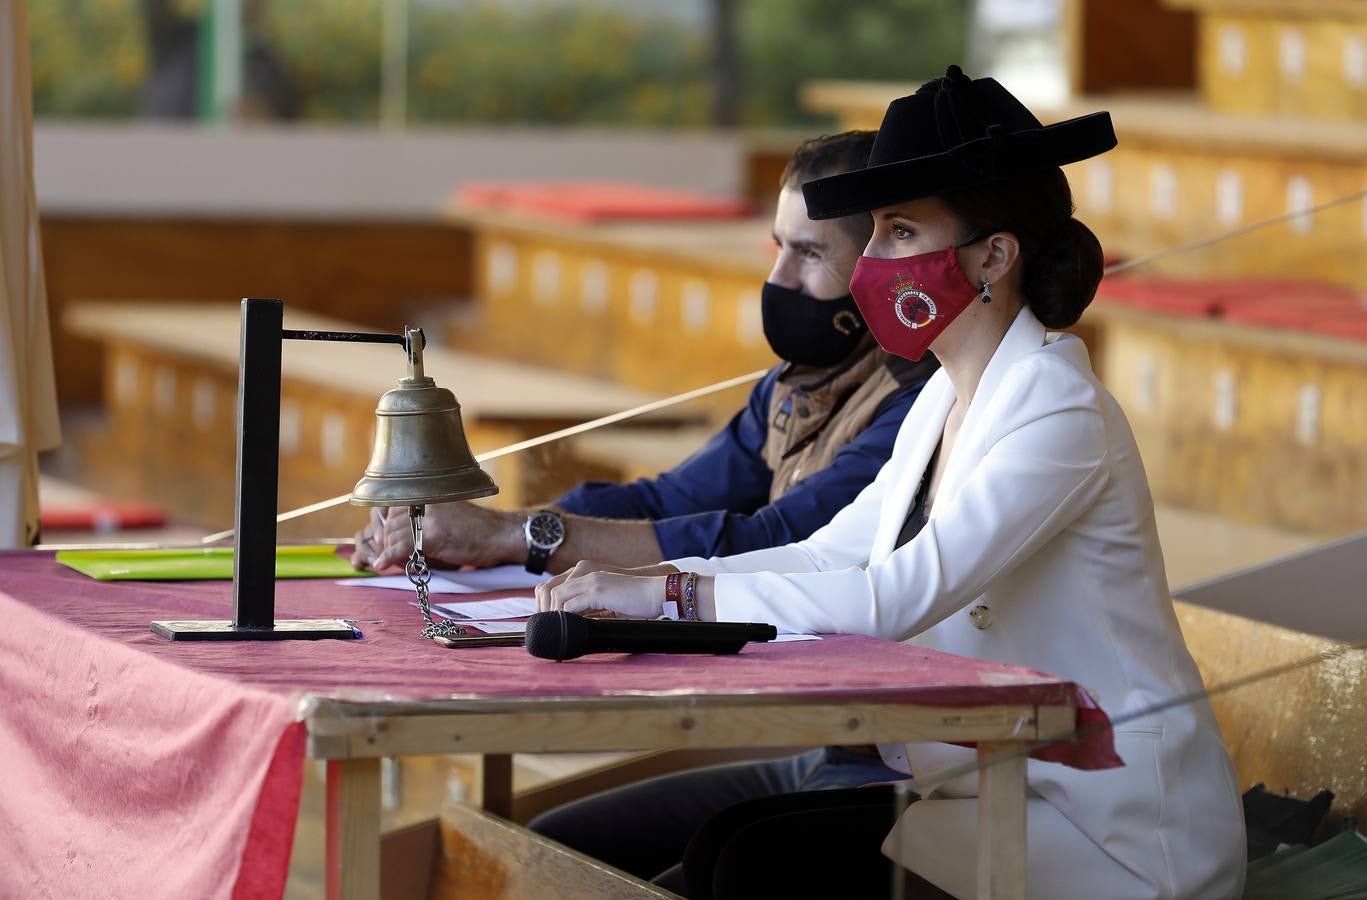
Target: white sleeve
x=1045 y=465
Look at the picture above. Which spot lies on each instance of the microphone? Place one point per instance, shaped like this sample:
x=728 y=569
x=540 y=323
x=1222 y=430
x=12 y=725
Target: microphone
x=562 y=635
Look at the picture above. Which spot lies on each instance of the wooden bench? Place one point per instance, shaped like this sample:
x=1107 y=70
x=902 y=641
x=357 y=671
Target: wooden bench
x=660 y=306
x=1255 y=424
x=171 y=404
x=1293 y=57
x=370 y=272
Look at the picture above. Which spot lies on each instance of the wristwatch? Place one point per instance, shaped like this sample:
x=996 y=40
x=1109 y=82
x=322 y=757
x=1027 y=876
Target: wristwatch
x=544 y=531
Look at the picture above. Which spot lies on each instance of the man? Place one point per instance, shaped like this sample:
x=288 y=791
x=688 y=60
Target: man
x=815 y=432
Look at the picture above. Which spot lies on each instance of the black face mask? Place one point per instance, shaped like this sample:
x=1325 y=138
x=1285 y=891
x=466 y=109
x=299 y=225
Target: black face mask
x=808 y=331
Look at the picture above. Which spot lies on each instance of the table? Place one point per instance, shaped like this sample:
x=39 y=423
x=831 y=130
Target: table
x=84 y=649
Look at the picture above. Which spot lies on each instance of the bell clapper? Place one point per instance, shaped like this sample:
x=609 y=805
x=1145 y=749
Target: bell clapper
x=420 y=575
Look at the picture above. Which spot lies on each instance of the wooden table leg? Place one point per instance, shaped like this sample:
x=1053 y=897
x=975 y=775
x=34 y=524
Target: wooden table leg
x=353 y=829
x=1001 y=824
x=496 y=784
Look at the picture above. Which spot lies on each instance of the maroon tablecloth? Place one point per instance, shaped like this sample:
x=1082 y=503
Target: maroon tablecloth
x=124 y=741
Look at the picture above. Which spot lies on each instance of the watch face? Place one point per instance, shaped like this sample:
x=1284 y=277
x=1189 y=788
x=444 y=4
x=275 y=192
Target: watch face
x=546 y=530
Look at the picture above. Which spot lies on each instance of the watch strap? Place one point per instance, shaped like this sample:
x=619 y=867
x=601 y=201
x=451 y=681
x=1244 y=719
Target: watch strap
x=537 y=557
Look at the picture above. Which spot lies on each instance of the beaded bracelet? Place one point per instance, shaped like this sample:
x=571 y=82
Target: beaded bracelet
x=689 y=610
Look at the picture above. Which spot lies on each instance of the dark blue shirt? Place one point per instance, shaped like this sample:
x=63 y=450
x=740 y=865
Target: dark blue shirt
x=716 y=502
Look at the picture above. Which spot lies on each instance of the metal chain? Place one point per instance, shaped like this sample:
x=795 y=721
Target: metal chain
x=418 y=573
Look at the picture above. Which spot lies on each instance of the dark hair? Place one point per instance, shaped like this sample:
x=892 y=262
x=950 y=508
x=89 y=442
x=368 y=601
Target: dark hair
x=1061 y=259
x=833 y=154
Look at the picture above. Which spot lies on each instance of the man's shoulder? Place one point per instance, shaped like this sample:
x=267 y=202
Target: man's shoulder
x=898 y=382
x=909 y=374
x=764 y=388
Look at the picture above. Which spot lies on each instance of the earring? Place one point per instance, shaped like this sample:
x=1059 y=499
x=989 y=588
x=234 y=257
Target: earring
x=987 y=291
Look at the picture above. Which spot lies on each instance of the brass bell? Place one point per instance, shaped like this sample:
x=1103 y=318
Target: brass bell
x=421 y=455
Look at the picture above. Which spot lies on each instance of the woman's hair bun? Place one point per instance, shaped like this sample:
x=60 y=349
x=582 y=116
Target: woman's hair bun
x=1061 y=275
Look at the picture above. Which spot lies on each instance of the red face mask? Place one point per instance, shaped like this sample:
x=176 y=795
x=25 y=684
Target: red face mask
x=908 y=301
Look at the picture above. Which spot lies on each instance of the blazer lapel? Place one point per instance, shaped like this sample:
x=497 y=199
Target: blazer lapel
x=925 y=423
x=1025 y=336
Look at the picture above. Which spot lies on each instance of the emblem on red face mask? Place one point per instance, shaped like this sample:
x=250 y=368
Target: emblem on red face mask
x=914 y=307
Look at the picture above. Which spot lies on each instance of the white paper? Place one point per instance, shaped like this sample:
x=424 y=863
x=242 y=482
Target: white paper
x=506 y=608
x=501 y=626
x=475 y=581
x=438 y=584
x=498 y=627
x=498 y=578
x=784 y=638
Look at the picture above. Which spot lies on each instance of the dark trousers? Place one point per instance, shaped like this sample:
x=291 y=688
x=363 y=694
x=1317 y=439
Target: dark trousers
x=645 y=828
x=813 y=844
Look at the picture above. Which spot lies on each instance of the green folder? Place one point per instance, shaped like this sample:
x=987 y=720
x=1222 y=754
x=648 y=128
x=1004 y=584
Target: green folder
x=202 y=563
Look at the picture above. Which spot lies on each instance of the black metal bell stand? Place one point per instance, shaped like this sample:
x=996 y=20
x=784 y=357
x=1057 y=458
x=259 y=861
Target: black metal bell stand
x=258 y=476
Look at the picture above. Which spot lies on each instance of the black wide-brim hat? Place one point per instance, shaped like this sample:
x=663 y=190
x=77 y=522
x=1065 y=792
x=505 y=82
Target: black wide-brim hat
x=955 y=131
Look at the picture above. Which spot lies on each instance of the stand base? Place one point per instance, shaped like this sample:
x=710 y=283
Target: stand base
x=224 y=630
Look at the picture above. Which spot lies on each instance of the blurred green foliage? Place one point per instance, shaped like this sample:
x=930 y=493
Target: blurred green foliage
x=532 y=61
x=788 y=42
x=89 y=57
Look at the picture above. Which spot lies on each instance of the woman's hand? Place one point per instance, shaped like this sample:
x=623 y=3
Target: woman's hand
x=598 y=593
x=587 y=567
x=455 y=534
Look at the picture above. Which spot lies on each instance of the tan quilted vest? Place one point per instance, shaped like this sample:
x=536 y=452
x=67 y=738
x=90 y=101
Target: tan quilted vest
x=825 y=409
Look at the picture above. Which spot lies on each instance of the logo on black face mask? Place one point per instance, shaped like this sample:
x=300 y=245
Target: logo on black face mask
x=847 y=322
x=913 y=306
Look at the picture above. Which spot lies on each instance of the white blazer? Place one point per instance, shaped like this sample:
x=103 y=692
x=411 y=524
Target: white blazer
x=1040 y=550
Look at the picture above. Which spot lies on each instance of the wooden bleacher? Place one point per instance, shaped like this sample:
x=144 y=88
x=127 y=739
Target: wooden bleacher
x=645 y=304
x=370 y=273
x=1257 y=424
x=171 y=405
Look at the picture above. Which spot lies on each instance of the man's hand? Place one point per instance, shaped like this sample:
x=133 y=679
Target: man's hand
x=454 y=534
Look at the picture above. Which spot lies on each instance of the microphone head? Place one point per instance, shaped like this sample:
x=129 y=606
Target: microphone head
x=557 y=635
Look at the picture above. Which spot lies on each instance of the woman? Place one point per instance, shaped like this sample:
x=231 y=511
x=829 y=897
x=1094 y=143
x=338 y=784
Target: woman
x=1012 y=523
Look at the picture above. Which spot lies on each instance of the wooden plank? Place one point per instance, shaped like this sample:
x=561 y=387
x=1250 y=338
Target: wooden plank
x=369 y=273
x=363 y=370
x=1126 y=45
x=496 y=780
x=353 y=829
x=638 y=316
x=1191 y=330
x=1301 y=8
x=736 y=246
x=408 y=860
x=488 y=858
x=1001 y=822
x=1265 y=459
x=571 y=726
x=171 y=405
